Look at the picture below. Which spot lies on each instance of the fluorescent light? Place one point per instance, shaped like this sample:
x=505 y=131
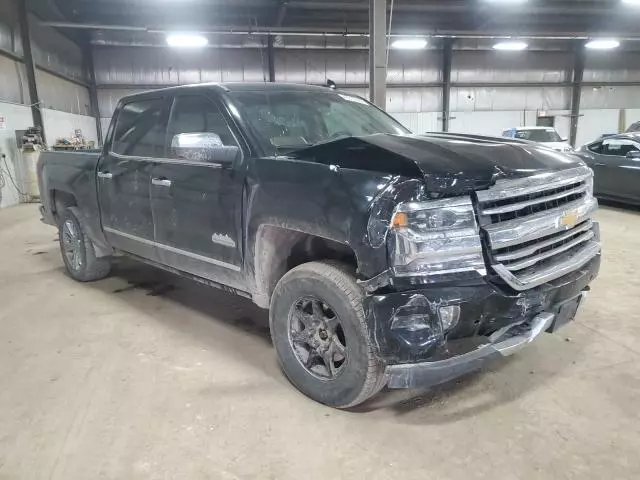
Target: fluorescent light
x=511 y=46
x=186 y=40
x=631 y=2
x=603 y=44
x=410 y=43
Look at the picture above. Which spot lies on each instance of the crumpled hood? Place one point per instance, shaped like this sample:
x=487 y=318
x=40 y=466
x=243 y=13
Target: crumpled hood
x=449 y=163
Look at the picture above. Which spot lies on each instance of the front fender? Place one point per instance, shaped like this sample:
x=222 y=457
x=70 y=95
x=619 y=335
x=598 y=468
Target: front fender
x=314 y=199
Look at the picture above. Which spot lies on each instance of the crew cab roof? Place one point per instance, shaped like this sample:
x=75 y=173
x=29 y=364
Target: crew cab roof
x=235 y=87
x=630 y=135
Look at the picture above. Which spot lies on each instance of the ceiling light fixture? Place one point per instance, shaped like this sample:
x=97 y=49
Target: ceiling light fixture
x=513 y=46
x=410 y=43
x=186 y=40
x=603 y=44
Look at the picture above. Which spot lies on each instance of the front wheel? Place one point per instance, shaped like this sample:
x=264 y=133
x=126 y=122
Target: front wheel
x=319 y=332
x=78 y=253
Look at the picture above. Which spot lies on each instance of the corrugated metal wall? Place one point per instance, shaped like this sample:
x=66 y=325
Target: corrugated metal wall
x=616 y=67
x=162 y=67
x=58 y=94
x=420 y=70
x=13 y=85
x=52 y=51
x=481 y=66
x=509 y=98
x=8 y=31
x=413 y=95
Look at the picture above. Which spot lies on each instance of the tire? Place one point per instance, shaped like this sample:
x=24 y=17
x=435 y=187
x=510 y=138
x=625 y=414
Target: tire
x=360 y=374
x=81 y=263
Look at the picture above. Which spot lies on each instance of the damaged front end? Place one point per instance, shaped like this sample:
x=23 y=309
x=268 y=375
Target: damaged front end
x=431 y=335
x=444 y=308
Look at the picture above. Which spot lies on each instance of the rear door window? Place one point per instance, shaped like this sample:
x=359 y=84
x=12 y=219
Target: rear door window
x=139 y=129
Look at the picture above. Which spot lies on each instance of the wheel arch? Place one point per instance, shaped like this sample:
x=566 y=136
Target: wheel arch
x=278 y=250
x=61 y=200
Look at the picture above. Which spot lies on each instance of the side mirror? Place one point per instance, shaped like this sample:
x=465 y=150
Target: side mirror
x=565 y=139
x=204 y=147
x=633 y=155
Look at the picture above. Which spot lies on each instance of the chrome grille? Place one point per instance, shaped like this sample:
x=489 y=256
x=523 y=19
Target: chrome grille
x=539 y=228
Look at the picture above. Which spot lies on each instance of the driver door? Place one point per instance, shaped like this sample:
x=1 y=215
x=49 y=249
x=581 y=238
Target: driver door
x=196 y=201
x=618 y=168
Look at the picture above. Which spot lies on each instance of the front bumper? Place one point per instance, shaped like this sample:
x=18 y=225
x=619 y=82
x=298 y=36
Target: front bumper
x=494 y=322
x=503 y=343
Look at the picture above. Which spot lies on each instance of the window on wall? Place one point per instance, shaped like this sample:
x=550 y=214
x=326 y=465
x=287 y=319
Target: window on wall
x=139 y=130
x=618 y=147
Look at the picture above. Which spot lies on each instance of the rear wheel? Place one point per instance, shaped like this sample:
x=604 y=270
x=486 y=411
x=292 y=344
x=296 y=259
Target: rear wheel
x=78 y=253
x=319 y=331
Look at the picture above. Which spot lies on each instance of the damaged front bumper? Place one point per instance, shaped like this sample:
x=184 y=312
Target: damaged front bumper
x=493 y=322
x=503 y=343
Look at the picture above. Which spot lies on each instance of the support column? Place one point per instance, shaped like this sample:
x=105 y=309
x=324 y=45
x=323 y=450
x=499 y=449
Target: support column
x=30 y=68
x=576 y=94
x=270 y=59
x=89 y=68
x=377 y=52
x=447 y=53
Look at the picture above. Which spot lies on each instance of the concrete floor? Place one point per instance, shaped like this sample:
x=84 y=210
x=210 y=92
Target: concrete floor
x=144 y=375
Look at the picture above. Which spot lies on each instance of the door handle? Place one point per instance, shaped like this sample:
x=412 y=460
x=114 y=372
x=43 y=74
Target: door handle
x=105 y=175
x=161 y=182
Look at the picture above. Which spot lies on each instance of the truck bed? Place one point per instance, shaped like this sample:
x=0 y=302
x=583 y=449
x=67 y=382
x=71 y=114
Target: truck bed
x=69 y=178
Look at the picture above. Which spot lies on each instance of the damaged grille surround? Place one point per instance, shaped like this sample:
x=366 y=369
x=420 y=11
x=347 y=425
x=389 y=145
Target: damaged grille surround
x=539 y=228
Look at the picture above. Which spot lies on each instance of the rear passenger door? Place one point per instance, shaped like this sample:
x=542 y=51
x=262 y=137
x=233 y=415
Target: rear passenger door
x=124 y=175
x=197 y=201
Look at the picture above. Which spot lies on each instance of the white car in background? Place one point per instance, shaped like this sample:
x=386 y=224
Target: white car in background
x=545 y=135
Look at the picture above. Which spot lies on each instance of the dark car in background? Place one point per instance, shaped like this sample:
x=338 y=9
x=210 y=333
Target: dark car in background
x=635 y=127
x=615 y=161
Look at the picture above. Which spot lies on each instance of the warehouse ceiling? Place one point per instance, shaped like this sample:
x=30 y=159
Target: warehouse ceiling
x=554 y=18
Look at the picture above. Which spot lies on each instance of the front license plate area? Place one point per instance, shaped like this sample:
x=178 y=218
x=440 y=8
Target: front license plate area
x=565 y=314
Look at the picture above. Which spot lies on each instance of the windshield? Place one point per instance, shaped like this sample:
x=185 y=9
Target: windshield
x=292 y=120
x=543 y=136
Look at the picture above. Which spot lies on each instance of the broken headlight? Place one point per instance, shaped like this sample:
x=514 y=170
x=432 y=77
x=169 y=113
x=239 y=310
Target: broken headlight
x=435 y=238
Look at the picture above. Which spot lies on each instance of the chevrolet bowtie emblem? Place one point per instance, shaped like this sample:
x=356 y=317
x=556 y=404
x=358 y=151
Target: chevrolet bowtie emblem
x=569 y=219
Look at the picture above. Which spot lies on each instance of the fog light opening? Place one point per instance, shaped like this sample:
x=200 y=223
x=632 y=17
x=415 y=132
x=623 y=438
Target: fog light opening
x=449 y=316
x=413 y=324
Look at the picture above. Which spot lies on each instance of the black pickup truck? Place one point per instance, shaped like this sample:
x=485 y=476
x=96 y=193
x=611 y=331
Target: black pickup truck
x=385 y=258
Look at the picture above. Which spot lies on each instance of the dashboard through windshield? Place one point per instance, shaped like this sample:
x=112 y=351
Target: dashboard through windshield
x=285 y=121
